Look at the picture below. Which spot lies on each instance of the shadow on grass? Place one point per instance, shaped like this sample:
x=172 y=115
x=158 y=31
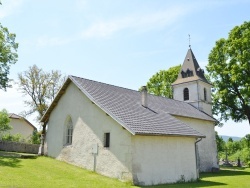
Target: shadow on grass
x=227 y=172
x=200 y=183
x=10 y=162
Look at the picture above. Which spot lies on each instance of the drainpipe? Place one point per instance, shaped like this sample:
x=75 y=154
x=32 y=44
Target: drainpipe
x=196 y=157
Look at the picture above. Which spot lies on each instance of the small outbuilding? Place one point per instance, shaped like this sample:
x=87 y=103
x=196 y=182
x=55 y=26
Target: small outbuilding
x=21 y=125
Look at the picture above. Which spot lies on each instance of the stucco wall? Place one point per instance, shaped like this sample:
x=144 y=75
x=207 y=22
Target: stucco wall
x=20 y=126
x=162 y=159
x=207 y=149
x=90 y=123
x=196 y=95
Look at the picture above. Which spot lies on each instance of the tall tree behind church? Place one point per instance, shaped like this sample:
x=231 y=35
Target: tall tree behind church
x=160 y=83
x=229 y=68
x=41 y=88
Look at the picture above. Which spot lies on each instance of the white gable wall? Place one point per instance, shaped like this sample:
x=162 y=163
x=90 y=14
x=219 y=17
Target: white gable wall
x=20 y=126
x=207 y=149
x=162 y=159
x=90 y=123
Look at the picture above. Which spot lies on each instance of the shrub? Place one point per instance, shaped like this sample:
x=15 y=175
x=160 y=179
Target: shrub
x=248 y=163
x=13 y=138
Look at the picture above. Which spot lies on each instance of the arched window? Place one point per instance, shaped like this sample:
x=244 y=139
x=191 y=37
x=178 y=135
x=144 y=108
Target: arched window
x=186 y=94
x=205 y=94
x=69 y=131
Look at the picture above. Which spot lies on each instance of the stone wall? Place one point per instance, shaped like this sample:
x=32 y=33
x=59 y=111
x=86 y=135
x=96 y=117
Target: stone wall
x=19 y=147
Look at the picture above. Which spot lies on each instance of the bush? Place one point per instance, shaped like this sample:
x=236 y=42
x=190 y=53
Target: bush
x=13 y=138
x=35 y=138
x=248 y=163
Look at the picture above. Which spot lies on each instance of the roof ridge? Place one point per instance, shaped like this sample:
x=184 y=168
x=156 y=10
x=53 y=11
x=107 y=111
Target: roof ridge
x=107 y=84
x=166 y=98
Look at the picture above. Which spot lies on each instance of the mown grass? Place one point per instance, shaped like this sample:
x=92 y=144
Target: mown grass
x=228 y=177
x=48 y=172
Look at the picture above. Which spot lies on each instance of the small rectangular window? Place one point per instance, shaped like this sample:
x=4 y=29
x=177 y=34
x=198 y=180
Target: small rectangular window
x=106 y=140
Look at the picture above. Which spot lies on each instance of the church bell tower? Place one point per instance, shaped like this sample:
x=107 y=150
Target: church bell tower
x=191 y=85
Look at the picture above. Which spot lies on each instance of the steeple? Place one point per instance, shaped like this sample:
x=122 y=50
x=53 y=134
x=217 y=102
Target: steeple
x=190 y=70
x=192 y=86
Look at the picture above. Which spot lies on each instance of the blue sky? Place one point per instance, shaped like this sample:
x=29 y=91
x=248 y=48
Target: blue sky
x=120 y=42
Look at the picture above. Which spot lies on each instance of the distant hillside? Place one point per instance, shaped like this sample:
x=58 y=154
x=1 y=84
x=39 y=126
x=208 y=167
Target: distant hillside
x=225 y=138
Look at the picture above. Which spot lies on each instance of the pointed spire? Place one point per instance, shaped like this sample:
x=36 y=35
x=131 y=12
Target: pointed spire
x=189 y=41
x=190 y=70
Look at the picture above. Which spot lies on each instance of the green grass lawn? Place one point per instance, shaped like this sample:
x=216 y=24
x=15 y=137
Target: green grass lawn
x=47 y=172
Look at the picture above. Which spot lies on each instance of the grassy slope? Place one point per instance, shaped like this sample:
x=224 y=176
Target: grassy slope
x=47 y=172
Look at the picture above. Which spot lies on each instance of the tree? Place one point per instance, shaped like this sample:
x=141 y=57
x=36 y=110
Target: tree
x=247 y=137
x=41 y=88
x=220 y=142
x=8 y=55
x=160 y=83
x=4 y=121
x=35 y=138
x=229 y=68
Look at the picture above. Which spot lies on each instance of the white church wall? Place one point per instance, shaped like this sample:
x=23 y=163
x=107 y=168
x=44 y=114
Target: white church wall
x=207 y=146
x=162 y=159
x=90 y=123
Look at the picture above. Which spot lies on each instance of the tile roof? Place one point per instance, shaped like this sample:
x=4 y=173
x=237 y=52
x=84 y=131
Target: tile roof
x=124 y=106
x=190 y=63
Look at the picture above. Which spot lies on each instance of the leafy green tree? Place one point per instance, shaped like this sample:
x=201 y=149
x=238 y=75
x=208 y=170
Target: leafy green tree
x=220 y=142
x=229 y=68
x=160 y=83
x=230 y=139
x=35 y=138
x=247 y=137
x=41 y=87
x=8 y=55
x=4 y=121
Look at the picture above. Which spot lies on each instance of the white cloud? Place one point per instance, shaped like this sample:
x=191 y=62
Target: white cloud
x=9 y=7
x=136 y=22
x=52 y=41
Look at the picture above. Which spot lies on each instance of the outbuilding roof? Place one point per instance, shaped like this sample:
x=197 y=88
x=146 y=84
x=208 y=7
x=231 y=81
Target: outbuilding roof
x=124 y=106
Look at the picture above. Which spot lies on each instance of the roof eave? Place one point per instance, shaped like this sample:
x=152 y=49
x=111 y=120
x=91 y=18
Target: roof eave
x=171 y=135
x=188 y=81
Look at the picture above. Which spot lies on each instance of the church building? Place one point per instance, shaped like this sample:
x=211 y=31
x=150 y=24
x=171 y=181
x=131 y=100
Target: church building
x=135 y=136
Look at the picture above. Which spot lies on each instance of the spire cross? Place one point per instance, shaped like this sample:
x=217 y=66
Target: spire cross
x=189 y=41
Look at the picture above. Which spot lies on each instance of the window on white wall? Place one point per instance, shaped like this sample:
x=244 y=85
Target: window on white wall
x=69 y=131
x=205 y=94
x=106 y=140
x=186 y=94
